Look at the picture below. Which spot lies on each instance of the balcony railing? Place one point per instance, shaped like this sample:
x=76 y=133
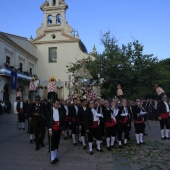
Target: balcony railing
x=6 y=69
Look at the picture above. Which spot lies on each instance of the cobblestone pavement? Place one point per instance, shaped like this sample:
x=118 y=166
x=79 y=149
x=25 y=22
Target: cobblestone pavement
x=18 y=154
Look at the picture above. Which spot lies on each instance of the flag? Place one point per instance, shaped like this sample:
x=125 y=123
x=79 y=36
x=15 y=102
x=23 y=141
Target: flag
x=13 y=80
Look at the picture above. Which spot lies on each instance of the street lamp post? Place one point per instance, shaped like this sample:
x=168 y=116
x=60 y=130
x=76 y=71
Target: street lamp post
x=68 y=85
x=100 y=82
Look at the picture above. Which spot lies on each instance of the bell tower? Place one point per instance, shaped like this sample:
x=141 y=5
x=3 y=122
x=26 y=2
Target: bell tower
x=54 y=17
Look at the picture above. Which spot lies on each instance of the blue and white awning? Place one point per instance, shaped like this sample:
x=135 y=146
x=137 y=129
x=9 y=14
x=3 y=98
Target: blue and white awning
x=7 y=72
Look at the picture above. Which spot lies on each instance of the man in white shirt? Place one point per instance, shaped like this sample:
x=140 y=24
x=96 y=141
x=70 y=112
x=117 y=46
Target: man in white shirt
x=55 y=124
x=164 y=113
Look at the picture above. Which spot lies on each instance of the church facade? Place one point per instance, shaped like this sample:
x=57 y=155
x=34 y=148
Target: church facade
x=56 y=46
x=46 y=55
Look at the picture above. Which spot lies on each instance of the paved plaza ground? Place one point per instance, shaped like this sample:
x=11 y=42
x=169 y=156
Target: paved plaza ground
x=18 y=154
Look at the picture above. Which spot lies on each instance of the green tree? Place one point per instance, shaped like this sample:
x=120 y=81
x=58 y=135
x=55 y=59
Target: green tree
x=125 y=65
x=163 y=75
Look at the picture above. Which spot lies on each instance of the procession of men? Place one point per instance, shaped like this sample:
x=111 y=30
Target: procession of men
x=94 y=124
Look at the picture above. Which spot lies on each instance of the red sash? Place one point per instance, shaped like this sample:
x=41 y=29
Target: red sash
x=21 y=110
x=73 y=119
x=110 y=124
x=125 y=119
x=66 y=118
x=55 y=125
x=138 y=121
x=95 y=124
x=164 y=115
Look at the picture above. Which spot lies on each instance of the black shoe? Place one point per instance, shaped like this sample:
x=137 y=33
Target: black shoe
x=144 y=134
x=19 y=128
x=164 y=138
x=126 y=144
x=56 y=159
x=109 y=148
x=84 y=147
x=37 y=148
x=75 y=144
x=91 y=152
x=31 y=141
x=167 y=137
x=23 y=128
x=53 y=162
x=120 y=146
x=65 y=138
x=142 y=143
x=42 y=145
x=99 y=150
x=113 y=146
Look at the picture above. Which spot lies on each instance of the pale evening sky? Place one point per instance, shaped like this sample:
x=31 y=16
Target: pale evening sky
x=145 y=20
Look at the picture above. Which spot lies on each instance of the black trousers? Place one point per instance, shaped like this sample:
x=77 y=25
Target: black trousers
x=83 y=130
x=31 y=126
x=164 y=123
x=55 y=139
x=21 y=117
x=139 y=128
x=122 y=128
x=74 y=127
x=110 y=131
x=39 y=133
x=66 y=125
x=102 y=127
x=94 y=132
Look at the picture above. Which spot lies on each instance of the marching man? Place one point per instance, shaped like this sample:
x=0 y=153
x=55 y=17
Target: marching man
x=56 y=125
x=163 y=112
x=110 y=125
x=81 y=120
x=138 y=116
x=73 y=119
x=21 y=108
x=123 y=122
x=92 y=127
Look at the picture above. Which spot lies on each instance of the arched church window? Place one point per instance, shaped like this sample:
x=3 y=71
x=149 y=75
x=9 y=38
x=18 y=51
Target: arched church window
x=58 y=19
x=54 y=2
x=49 y=20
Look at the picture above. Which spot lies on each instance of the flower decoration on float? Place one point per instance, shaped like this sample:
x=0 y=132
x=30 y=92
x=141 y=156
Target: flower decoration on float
x=52 y=87
x=32 y=78
x=52 y=79
x=119 y=90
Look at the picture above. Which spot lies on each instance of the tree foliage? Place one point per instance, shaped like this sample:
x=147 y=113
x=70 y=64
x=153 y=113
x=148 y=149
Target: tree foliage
x=128 y=66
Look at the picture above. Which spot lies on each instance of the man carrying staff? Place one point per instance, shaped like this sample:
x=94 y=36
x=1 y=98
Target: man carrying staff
x=38 y=122
x=163 y=112
x=55 y=125
x=110 y=125
x=92 y=127
x=65 y=109
x=138 y=116
x=81 y=120
x=123 y=122
x=73 y=119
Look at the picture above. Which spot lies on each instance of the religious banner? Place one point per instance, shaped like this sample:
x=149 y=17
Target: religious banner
x=13 y=80
x=159 y=90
